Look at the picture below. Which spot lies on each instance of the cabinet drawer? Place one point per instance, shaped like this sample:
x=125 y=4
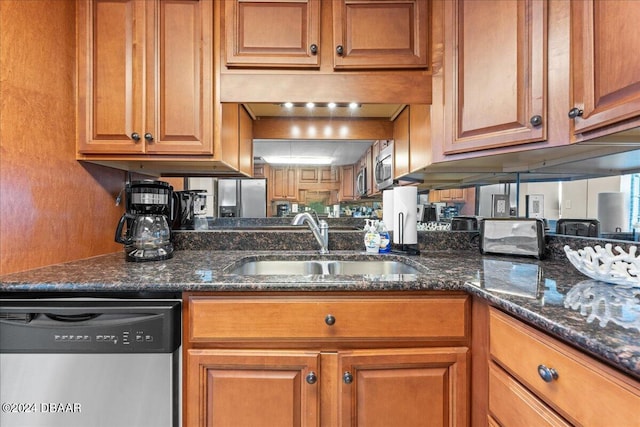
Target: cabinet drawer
x=585 y=392
x=513 y=405
x=420 y=318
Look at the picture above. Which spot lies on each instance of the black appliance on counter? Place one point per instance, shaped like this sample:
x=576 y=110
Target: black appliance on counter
x=578 y=227
x=149 y=211
x=283 y=209
x=464 y=223
x=191 y=205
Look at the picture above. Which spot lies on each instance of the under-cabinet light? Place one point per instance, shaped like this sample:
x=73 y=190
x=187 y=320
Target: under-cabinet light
x=297 y=160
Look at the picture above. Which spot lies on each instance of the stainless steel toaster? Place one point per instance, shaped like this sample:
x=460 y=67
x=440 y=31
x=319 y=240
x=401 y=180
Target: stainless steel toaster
x=512 y=236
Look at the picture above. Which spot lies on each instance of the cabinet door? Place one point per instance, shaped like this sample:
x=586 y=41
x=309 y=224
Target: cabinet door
x=245 y=142
x=371 y=187
x=110 y=76
x=495 y=62
x=347 y=183
x=285 y=183
x=401 y=144
x=308 y=175
x=179 y=77
x=381 y=34
x=145 y=77
x=329 y=175
x=403 y=387
x=606 y=83
x=252 y=388
x=271 y=33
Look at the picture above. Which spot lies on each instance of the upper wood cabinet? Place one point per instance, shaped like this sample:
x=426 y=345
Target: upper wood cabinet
x=606 y=82
x=381 y=34
x=347 y=183
x=494 y=73
x=412 y=139
x=272 y=33
x=237 y=138
x=366 y=34
x=145 y=77
x=284 y=183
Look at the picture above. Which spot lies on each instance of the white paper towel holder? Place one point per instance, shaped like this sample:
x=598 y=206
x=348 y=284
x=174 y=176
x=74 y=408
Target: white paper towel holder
x=402 y=248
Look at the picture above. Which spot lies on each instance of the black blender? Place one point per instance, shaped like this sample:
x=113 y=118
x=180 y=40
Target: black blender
x=147 y=216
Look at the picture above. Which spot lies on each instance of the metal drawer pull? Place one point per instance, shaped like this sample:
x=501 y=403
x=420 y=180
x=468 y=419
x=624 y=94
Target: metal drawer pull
x=311 y=378
x=330 y=320
x=547 y=374
x=347 y=377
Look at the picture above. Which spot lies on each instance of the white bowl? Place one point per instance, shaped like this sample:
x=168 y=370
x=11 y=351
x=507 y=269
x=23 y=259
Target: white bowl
x=620 y=268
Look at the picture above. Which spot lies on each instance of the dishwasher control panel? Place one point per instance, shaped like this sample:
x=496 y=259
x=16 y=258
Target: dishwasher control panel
x=79 y=326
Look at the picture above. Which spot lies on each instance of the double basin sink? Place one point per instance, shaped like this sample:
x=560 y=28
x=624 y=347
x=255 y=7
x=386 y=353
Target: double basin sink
x=324 y=267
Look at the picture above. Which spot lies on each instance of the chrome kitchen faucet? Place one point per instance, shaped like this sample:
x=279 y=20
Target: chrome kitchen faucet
x=320 y=229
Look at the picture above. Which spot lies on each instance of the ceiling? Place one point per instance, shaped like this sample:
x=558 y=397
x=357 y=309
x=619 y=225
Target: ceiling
x=343 y=152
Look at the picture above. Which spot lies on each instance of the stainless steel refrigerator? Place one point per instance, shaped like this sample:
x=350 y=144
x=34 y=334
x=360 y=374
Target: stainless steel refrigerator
x=244 y=198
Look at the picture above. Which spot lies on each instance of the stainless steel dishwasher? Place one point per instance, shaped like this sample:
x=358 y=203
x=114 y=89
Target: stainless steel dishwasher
x=90 y=362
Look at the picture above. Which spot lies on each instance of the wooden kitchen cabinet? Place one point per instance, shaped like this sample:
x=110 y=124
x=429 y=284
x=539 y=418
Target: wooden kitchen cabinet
x=403 y=387
x=326 y=360
x=606 y=84
x=374 y=34
x=144 y=77
x=366 y=34
x=237 y=135
x=308 y=175
x=347 y=183
x=284 y=182
x=579 y=391
x=494 y=74
x=412 y=140
x=448 y=195
x=272 y=33
x=254 y=388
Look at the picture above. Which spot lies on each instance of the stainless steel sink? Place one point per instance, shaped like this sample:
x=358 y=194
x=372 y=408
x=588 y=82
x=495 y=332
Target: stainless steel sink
x=323 y=267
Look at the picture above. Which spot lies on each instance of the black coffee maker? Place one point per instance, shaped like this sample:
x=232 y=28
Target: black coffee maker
x=149 y=210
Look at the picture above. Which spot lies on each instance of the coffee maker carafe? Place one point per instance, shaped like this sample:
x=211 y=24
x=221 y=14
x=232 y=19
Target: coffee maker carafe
x=148 y=212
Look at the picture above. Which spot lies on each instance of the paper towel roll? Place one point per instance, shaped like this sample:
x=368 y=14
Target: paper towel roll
x=387 y=209
x=612 y=212
x=405 y=201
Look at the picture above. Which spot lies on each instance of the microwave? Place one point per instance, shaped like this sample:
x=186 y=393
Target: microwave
x=384 y=167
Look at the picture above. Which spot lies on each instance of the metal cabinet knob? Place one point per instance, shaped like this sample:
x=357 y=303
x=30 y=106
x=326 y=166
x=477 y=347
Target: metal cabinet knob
x=536 y=120
x=135 y=136
x=347 y=377
x=313 y=48
x=339 y=50
x=547 y=374
x=330 y=320
x=575 y=112
x=148 y=137
x=311 y=378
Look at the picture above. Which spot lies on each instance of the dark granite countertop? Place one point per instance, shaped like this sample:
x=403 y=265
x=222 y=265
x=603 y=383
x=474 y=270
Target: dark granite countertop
x=602 y=320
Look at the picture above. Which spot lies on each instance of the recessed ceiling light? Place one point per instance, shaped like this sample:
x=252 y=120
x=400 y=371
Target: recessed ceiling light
x=310 y=105
x=353 y=105
x=288 y=105
x=331 y=105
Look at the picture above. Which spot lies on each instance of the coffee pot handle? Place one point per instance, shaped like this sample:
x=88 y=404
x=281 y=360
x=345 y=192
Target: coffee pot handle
x=119 y=237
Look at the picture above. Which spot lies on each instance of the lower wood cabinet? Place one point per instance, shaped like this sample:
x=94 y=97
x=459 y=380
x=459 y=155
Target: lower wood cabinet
x=326 y=360
x=536 y=380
